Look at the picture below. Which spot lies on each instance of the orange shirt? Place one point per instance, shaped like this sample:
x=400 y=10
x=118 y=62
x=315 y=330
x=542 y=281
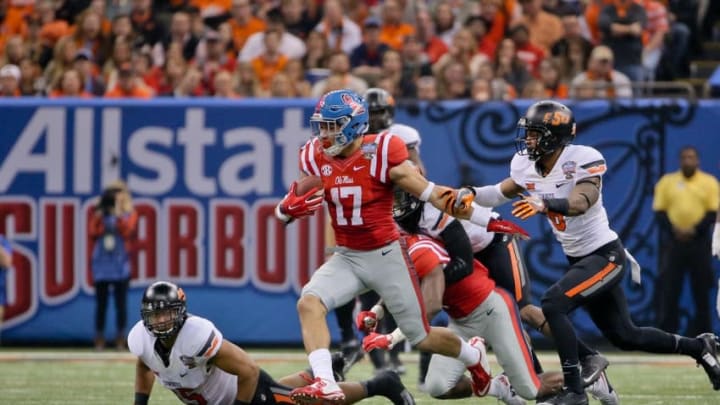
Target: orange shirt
x=592 y=15
x=265 y=70
x=561 y=91
x=394 y=35
x=545 y=29
x=496 y=33
x=136 y=92
x=241 y=33
x=223 y=5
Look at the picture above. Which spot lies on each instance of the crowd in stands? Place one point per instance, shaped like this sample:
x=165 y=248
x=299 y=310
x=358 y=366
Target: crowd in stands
x=420 y=49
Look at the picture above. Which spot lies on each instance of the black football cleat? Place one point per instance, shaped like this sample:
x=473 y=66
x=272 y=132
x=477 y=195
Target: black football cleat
x=338 y=366
x=566 y=397
x=708 y=358
x=389 y=385
x=591 y=367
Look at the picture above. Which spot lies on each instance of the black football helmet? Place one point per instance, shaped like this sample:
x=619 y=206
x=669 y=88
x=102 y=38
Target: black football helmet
x=552 y=122
x=407 y=210
x=163 y=309
x=381 y=106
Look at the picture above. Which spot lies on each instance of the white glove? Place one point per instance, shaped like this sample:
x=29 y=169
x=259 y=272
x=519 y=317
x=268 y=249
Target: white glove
x=716 y=240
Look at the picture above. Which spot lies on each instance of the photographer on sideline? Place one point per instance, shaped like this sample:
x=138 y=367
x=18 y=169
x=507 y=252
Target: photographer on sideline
x=113 y=224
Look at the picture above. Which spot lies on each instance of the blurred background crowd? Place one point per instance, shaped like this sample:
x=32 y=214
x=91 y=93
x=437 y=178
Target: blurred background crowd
x=415 y=49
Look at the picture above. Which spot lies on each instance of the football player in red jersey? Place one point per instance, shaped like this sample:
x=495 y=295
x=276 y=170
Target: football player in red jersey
x=359 y=174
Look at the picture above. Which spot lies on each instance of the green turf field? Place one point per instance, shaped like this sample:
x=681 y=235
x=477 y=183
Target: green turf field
x=85 y=377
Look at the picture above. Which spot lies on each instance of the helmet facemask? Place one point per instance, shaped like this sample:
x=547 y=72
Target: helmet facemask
x=330 y=133
x=162 y=319
x=407 y=210
x=380 y=120
x=544 y=142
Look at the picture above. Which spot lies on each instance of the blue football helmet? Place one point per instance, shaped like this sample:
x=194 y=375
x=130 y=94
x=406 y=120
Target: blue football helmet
x=340 y=117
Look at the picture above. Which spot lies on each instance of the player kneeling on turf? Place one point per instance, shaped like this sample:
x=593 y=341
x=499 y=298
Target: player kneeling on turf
x=189 y=356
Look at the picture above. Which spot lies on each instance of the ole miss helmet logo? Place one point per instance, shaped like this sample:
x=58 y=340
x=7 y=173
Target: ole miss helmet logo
x=350 y=100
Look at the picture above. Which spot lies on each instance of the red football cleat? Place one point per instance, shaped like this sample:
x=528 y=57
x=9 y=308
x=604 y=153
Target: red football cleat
x=480 y=372
x=319 y=392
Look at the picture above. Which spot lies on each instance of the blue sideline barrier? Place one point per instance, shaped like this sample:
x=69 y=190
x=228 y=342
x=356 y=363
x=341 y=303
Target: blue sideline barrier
x=206 y=174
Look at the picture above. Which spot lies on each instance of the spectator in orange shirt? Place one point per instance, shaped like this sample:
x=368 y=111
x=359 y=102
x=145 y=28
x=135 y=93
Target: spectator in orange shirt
x=12 y=22
x=243 y=22
x=70 y=85
x=10 y=81
x=544 y=28
x=128 y=85
x=495 y=20
x=394 y=30
x=272 y=61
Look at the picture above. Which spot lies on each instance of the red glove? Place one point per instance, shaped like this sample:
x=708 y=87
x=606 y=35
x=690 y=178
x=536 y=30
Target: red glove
x=301 y=206
x=366 y=321
x=377 y=341
x=509 y=227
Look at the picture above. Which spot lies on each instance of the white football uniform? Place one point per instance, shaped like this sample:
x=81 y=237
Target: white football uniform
x=578 y=235
x=408 y=134
x=188 y=373
x=433 y=221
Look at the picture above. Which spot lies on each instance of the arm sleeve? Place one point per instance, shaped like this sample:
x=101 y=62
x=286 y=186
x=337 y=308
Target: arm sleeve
x=592 y=164
x=458 y=247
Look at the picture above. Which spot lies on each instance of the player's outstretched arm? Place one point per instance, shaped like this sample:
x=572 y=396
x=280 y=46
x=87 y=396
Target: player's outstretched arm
x=581 y=198
x=144 y=379
x=234 y=360
x=491 y=196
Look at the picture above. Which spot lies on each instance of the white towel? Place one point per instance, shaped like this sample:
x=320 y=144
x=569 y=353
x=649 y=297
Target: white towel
x=635 y=270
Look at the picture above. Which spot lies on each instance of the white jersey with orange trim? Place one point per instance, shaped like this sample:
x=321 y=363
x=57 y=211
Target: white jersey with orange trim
x=582 y=234
x=187 y=372
x=408 y=134
x=433 y=221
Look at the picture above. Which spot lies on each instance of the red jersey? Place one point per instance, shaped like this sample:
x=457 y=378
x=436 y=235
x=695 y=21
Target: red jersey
x=460 y=298
x=358 y=190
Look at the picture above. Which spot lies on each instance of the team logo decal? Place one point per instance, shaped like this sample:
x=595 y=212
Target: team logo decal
x=326 y=170
x=349 y=100
x=369 y=150
x=568 y=169
x=188 y=361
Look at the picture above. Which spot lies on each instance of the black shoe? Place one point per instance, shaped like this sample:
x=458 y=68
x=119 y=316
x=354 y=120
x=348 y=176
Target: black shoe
x=566 y=397
x=338 y=366
x=591 y=367
x=352 y=353
x=390 y=386
x=708 y=358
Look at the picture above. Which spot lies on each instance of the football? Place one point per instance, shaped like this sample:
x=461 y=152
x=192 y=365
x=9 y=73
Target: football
x=308 y=183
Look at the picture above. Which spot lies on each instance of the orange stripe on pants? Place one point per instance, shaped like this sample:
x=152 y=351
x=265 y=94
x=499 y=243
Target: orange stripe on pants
x=515 y=271
x=592 y=280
